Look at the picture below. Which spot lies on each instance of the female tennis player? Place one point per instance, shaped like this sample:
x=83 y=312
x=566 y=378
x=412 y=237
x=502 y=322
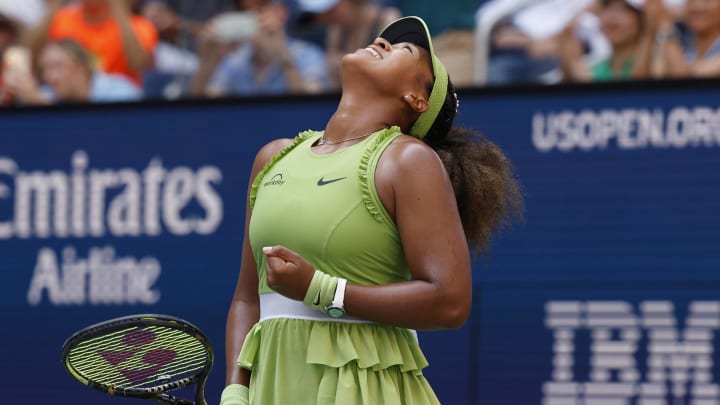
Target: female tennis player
x=360 y=234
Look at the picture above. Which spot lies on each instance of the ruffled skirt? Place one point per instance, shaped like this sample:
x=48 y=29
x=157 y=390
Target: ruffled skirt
x=296 y=361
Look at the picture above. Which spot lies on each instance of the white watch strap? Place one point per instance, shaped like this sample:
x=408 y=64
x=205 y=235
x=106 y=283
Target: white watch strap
x=339 y=298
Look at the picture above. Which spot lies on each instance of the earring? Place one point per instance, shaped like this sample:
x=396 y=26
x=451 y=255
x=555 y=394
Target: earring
x=406 y=97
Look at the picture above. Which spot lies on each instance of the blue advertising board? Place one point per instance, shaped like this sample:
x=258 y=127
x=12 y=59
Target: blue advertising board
x=607 y=293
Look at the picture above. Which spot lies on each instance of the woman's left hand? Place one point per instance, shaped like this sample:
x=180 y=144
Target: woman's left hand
x=287 y=272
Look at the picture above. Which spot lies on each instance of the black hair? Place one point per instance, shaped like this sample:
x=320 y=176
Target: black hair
x=8 y=25
x=487 y=192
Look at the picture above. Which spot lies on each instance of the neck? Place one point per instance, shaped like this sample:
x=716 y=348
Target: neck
x=355 y=116
x=621 y=54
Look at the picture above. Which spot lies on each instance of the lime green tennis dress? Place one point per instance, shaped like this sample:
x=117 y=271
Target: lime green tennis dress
x=325 y=207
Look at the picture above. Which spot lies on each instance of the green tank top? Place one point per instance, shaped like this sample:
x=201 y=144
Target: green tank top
x=326 y=208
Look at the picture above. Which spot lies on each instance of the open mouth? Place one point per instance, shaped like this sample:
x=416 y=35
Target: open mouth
x=373 y=52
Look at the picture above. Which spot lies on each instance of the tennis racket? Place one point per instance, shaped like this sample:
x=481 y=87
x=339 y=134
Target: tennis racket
x=141 y=356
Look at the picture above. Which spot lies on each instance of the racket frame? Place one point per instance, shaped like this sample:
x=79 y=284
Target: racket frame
x=159 y=392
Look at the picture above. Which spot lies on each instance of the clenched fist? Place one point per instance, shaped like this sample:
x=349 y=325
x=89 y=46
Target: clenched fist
x=288 y=273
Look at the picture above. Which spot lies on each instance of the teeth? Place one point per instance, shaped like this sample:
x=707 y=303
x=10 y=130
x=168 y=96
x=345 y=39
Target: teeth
x=374 y=52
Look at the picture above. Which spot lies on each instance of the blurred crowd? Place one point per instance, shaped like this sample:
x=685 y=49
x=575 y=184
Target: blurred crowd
x=60 y=51
x=552 y=41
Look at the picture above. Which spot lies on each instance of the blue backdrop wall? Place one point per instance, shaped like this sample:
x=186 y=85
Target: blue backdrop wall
x=608 y=292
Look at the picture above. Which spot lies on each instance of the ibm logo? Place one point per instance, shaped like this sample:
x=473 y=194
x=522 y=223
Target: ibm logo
x=678 y=356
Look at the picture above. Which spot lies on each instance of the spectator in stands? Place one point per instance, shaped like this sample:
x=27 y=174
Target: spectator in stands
x=268 y=61
x=173 y=53
x=122 y=42
x=525 y=47
x=351 y=25
x=182 y=22
x=663 y=54
x=68 y=73
x=175 y=59
x=452 y=23
x=621 y=22
x=9 y=36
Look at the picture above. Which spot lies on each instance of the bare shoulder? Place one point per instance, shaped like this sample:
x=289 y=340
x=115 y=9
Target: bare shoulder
x=407 y=170
x=269 y=150
x=408 y=155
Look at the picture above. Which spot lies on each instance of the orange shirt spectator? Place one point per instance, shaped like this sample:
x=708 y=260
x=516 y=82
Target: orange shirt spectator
x=103 y=39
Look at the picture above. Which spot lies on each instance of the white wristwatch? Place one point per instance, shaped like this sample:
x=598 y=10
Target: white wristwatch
x=336 y=309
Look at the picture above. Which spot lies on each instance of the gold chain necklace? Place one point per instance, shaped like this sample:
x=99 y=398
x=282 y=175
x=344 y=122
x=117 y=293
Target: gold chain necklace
x=322 y=140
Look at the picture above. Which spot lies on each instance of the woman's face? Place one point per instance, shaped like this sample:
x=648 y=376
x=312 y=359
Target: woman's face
x=620 y=23
x=702 y=15
x=59 y=71
x=393 y=68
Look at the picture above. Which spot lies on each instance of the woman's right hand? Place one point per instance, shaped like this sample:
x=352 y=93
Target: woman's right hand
x=288 y=273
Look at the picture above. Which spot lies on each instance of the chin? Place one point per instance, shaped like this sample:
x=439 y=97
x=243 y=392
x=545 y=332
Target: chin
x=359 y=57
x=349 y=61
x=360 y=67
x=351 y=56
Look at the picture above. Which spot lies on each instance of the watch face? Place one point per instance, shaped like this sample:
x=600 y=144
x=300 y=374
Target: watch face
x=335 y=312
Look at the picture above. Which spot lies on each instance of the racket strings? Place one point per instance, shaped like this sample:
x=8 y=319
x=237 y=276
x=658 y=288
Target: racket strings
x=176 y=372
x=130 y=376
x=136 y=357
x=86 y=353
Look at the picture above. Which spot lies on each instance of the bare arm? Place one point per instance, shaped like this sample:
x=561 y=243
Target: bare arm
x=292 y=76
x=415 y=189
x=36 y=38
x=672 y=59
x=211 y=54
x=244 y=309
x=570 y=50
x=707 y=68
x=673 y=62
x=659 y=54
x=274 y=40
x=138 y=58
x=643 y=66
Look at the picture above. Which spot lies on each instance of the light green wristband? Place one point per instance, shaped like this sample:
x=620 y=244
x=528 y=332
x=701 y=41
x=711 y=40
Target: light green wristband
x=235 y=394
x=321 y=291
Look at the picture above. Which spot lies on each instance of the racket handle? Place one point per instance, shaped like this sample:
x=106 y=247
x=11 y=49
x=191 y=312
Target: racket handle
x=169 y=399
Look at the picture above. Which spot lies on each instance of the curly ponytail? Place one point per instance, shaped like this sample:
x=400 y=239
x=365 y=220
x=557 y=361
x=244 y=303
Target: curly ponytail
x=487 y=192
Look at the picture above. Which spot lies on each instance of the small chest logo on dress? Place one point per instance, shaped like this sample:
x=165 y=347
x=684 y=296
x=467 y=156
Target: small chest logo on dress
x=323 y=182
x=276 y=180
